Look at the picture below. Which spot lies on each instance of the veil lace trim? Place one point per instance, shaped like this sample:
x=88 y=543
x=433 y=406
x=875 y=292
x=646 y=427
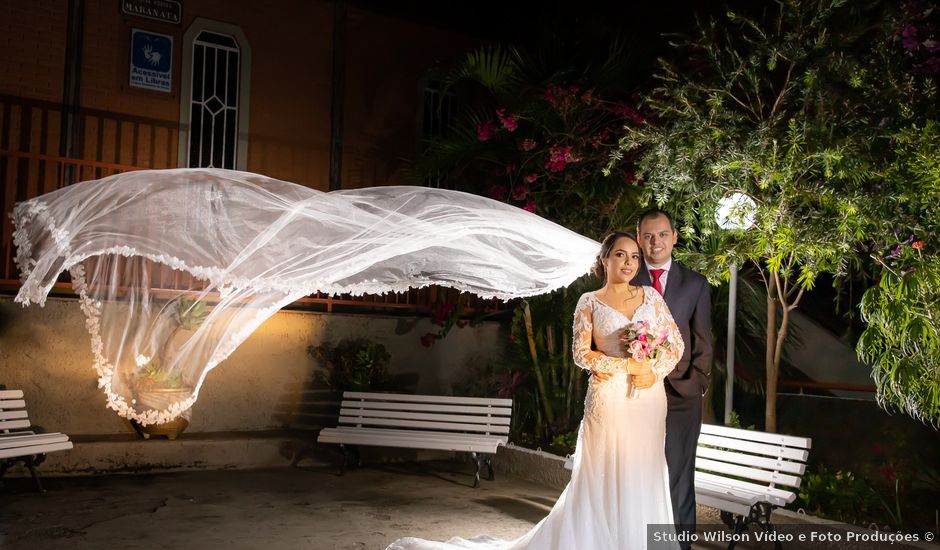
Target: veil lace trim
x=259 y=244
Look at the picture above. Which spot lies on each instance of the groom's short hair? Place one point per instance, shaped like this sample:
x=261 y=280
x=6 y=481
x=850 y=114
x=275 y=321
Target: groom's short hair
x=654 y=213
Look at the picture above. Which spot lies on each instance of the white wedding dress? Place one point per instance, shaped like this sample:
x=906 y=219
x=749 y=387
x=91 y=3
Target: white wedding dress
x=620 y=483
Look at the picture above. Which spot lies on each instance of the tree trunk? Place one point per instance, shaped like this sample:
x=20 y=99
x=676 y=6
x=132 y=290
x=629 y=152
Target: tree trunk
x=539 y=377
x=770 y=409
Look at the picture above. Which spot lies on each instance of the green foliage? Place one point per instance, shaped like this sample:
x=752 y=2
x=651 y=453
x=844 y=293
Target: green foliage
x=566 y=442
x=536 y=129
x=153 y=376
x=825 y=112
x=191 y=313
x=837 y=495
x=537 y=133
x=902 y=339
x=185 y=314
x=752 y=113
x=357 y=365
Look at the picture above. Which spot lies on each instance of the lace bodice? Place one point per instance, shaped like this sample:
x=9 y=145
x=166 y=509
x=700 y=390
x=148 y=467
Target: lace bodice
x=597 y=322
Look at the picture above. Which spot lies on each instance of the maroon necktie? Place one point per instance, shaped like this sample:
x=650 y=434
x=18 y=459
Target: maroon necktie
x=656 y=274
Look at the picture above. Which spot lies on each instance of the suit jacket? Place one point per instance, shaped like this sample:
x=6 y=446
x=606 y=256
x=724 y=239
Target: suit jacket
x=687 y=295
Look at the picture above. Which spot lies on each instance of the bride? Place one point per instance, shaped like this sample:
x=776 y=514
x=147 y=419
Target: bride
x=619 y=484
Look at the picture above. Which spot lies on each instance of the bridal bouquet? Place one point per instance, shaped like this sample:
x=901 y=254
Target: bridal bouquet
x=642 y=344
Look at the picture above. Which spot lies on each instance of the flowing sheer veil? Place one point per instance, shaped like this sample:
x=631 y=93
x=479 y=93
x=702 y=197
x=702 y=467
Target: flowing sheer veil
x=251 y=245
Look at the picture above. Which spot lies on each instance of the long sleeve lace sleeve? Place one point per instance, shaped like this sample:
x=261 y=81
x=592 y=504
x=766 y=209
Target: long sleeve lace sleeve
x=584 y=356
x=665 y=363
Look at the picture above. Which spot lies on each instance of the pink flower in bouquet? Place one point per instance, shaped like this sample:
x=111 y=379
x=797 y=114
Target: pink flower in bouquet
x=641 y=344
x=519 y=192
x=635 y=347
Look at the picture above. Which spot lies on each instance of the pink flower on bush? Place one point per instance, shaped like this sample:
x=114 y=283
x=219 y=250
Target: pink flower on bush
x=598 y=139
x=496 y=191
x=560 y=97
x=509 y=384
x=558 y=157
x=508 y=120
x=552 y=94
x=887 y=472
x=486 y=130
x=428 y=339
x=531 y=178
x=628 y=112
x=519 y=192
x=440 y=314
x=527 y=144
x=529 y=206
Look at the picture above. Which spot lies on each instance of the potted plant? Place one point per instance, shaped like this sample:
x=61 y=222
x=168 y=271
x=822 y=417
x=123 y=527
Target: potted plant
x=159 y=383
x=357 y=365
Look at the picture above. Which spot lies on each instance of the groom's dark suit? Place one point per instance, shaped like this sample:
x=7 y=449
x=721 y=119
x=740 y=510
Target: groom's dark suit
x=689 y=301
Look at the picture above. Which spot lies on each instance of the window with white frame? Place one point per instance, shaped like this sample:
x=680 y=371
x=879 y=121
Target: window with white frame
x=214 y=101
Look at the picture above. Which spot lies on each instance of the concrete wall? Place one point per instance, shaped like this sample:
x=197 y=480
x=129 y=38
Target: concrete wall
x=264 y=385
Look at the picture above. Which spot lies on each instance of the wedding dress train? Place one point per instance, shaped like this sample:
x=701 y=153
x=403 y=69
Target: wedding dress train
x=619 y=485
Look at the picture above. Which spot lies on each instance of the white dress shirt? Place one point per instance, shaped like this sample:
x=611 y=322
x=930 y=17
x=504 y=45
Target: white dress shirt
x=665 y=275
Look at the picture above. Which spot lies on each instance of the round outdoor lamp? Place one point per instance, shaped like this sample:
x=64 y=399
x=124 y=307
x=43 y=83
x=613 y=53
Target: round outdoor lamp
x=735 y=212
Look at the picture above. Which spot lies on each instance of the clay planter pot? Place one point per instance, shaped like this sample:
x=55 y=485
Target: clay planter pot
x=160 y=398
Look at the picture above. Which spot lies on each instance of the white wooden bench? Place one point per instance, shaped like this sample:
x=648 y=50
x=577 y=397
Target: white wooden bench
x=746 y=474
x=468 y=424
x=18 y=443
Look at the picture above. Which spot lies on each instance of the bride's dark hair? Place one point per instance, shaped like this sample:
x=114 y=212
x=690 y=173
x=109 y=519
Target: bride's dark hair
x=606 y=245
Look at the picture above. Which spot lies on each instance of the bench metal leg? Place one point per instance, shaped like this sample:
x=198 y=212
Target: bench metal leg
x=351 y=458
x=3 y=469
x=478 y=460
x=489 y=468
x=758 y=515
x=31 y=464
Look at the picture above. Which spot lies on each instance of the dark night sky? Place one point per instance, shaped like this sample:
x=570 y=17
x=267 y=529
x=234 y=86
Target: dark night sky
x=640 y=24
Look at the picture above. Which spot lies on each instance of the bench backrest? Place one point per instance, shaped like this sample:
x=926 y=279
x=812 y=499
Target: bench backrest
x=12 y=411
x=426 y=412
x=761 y=460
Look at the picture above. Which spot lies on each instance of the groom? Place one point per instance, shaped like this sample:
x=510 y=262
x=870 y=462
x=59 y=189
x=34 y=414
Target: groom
x=687 y=295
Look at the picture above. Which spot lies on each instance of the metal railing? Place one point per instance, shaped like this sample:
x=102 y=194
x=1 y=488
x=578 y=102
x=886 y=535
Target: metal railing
x=115 y=143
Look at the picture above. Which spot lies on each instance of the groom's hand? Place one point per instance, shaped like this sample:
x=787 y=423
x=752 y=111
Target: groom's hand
x=643 y=381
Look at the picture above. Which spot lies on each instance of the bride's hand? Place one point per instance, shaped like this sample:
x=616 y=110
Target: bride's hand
x=602 y=376
x=638 y=368
x=643 y=381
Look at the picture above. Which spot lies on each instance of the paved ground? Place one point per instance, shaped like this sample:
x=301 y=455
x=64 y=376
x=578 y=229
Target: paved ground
x=287 y=508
